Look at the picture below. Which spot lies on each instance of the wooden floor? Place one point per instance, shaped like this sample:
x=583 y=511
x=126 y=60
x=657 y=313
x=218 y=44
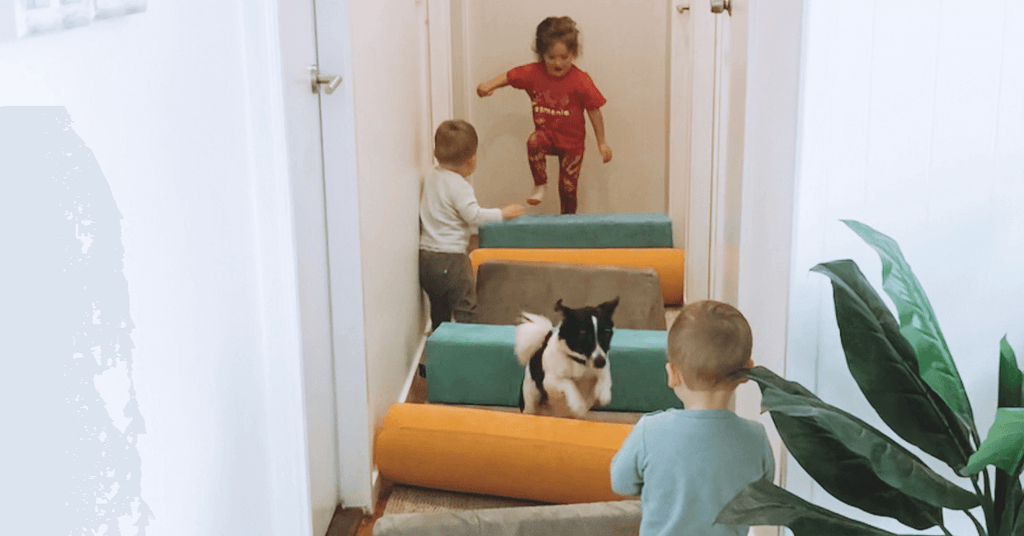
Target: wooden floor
x=366 y=526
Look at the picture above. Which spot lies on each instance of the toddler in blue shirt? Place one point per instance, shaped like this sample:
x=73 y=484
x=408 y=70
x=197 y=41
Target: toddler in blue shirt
x=687 y=464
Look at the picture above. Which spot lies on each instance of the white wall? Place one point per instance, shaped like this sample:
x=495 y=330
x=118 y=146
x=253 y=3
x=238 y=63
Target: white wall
x=625 y=51
x=160 y=99
x=912 y=121
x=769 y=163
x=392 y=137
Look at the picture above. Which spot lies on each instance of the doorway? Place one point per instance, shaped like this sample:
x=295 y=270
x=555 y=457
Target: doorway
x=674 y=74
x=624 y=47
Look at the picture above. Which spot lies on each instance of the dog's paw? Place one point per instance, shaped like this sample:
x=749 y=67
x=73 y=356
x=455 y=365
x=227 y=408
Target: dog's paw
x=604 y=397
x=579 y=410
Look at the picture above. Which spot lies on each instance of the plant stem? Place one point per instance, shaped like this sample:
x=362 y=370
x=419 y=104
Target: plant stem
x=977 y=524
x=988 y=505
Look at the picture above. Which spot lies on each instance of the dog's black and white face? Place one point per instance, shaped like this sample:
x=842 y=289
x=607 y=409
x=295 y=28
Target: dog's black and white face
x=587 y=332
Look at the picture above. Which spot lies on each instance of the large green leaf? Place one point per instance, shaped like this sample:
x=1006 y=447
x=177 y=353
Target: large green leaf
x=763 y=503
x=1004 y=446
x=855 y=462
x=883 y=364
x=918 y=323
x=1011 y=384
x=1009 y=497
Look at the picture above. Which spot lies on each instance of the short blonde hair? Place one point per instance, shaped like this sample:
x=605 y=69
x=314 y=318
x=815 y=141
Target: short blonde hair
x=710 y=344
x=454 y=142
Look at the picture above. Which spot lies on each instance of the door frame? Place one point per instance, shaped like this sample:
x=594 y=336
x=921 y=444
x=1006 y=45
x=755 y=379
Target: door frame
x=313 y=330
x=692 y=116
x=354 y=426
x=270 y=33
x=689 y=200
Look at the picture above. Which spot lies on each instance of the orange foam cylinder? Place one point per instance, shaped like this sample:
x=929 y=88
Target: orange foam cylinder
x=668 y=262
x=487 y=452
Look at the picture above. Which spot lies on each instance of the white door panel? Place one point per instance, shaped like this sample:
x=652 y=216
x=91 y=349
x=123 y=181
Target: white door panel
x=321 y=161
x=341 y=202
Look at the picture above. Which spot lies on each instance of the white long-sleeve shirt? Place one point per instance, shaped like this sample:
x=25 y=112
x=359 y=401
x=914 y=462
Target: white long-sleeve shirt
x=449 y=212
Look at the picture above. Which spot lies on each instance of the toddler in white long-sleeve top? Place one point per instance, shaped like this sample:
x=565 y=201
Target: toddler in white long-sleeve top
x=449 y=214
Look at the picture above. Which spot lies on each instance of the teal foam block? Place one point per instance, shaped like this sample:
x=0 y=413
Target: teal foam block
x=475 y=364
x=643 y=230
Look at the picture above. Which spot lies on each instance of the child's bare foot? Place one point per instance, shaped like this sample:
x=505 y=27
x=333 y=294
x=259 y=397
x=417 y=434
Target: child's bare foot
x=536 y=196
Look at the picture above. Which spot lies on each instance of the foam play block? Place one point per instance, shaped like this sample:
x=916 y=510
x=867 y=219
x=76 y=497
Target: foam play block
x=580 y=231
x=505 y=289
x=475 y=364
x=493 y=453
x=668 y=262
x=609 y=518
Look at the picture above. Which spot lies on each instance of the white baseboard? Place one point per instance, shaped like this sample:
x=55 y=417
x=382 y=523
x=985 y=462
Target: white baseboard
x=416 y=358
x=374 y=491
x=402 y=397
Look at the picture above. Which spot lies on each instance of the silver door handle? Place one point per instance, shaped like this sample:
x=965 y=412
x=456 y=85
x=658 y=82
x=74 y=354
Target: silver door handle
x=681 y=8
x=316 y=80
x=718 y=6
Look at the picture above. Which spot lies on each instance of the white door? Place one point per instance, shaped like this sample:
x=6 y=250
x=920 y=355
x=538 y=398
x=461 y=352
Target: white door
x=321 y=151
x=709 y=67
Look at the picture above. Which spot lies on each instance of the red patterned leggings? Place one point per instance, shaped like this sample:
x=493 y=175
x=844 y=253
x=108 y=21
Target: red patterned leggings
x=538 y=146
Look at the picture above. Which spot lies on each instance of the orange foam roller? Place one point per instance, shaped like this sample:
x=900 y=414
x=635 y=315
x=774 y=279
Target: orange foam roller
x=514 y=455
x=668 y=262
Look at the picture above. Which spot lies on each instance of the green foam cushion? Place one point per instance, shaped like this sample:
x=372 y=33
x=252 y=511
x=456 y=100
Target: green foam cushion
x=642 y=230
x=475 y=364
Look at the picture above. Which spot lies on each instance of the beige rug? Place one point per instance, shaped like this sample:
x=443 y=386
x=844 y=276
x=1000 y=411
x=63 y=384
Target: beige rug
x=413 y=500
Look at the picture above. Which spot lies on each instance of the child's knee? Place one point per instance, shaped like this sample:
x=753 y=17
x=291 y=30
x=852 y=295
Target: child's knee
x=537 y=140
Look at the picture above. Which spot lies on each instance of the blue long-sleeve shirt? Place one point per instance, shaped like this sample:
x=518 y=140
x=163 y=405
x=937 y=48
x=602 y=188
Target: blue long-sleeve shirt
x=686 y=465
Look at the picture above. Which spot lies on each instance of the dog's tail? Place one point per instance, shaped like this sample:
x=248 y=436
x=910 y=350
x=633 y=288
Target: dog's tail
x=530 y=335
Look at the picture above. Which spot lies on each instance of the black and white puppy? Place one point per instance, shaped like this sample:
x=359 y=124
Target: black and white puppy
x=567 y=369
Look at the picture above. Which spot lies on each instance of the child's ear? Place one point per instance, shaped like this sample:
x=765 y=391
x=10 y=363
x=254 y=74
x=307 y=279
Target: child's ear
x=673 y=375
x=750 y=365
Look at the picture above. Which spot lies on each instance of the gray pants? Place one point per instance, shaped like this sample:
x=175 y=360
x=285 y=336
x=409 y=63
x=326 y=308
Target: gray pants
x=448 y=280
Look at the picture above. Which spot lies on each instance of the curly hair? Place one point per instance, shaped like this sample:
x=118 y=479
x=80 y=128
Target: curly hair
x=557 y=30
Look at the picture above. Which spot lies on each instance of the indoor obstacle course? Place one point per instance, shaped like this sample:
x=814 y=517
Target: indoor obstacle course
x=526 y=265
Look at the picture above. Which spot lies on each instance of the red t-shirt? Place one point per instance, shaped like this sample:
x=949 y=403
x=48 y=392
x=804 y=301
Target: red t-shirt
x=558 y=101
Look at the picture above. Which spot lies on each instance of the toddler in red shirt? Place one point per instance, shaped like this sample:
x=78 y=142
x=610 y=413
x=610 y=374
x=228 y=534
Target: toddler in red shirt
x=559 y=92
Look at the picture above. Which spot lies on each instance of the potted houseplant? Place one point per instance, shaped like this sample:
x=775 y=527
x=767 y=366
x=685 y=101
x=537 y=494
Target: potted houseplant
x=907 y=374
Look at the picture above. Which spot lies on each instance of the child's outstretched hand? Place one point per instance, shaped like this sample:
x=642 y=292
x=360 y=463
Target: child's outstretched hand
x=485 y=89
x=513 y=211
x=606 y=152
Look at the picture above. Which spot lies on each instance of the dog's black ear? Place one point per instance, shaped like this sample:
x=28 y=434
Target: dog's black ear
x=566 y=311
x=608 y=307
